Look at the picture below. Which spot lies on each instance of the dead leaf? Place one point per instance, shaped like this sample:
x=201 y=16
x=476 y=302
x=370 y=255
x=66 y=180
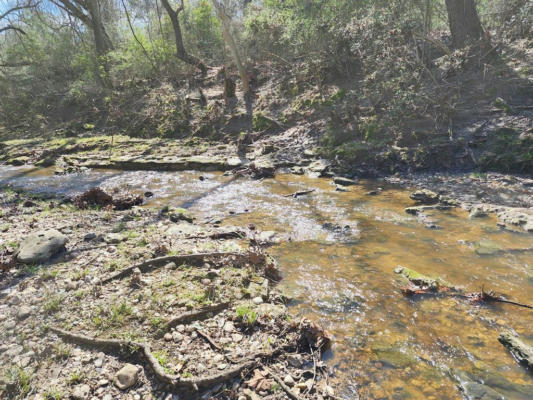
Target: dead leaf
x=259 y=381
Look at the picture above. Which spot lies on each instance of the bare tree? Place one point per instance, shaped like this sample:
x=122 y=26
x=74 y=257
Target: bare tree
x=180 y=48
x=230 y=41
x=89 y=12
x=465 y=25
x=12 y=11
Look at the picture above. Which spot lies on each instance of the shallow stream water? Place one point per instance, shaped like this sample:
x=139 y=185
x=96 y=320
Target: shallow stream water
x=338 y=256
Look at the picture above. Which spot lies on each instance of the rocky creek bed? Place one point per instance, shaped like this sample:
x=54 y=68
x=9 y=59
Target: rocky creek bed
x=186 y=306
x=112 y=304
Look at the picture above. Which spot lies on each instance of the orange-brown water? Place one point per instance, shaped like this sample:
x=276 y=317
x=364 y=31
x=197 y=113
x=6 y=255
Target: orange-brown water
x=385 y=345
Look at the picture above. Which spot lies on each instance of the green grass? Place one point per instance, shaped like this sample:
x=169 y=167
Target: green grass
x=246 y=314
x=62 y=351
x=76 y=377
x=18 y=382
x=115 y=314
x=53 y=304
x=52 y=394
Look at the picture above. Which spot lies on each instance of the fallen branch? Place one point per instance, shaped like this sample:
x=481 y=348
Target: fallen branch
x=188 y=317
x=210 y=341
x=475 y=297
x=485 y=297
x=300 y=193
x=280 y=382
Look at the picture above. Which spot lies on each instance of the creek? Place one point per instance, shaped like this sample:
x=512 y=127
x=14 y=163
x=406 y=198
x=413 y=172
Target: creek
x=338 y=252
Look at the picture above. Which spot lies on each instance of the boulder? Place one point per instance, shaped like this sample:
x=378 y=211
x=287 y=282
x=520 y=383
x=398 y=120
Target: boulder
x=268 y=237
x=477 y=211
x=516 y=219
x=179 y=214
x=522 y=352
x=41 y=246
x=393 y=357
x=339 y=180
x=478 y=391
x=127 y=376
x=417 y=278
x=487 y=247
x=425 y=196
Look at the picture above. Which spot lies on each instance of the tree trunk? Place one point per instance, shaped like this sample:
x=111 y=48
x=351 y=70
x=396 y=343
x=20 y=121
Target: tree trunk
x=230 y=41
x=464 y=22
x=102 y=42
x=88 y=12
x=180 y=48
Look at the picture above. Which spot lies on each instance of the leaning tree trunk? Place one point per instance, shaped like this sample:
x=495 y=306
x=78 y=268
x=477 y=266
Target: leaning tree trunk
x=464 y=22
x=102 y=42
x=180 y=48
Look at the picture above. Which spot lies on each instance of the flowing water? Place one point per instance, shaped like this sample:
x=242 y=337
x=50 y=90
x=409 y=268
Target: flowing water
x=338 y=257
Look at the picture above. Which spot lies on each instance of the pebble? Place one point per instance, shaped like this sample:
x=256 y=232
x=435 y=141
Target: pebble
x=289 y=381
x=81 y=392
x=228 y=326
x=23 y=312
x=168 y=337
x=90 y=236
x=127 y=376
x=237 y=337
x=258 y=300
x=10 y=324
x=329 y=391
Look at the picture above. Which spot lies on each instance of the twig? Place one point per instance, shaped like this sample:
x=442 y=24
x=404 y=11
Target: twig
x=472 y=297
x=209 y=340
x=280 y=382
x=314 y=370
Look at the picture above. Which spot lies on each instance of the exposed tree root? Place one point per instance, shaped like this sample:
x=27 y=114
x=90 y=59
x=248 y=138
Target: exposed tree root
x=282 y=384
x=154 y=263
x=220 y=235
x=188 y=317
x=142 y=352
